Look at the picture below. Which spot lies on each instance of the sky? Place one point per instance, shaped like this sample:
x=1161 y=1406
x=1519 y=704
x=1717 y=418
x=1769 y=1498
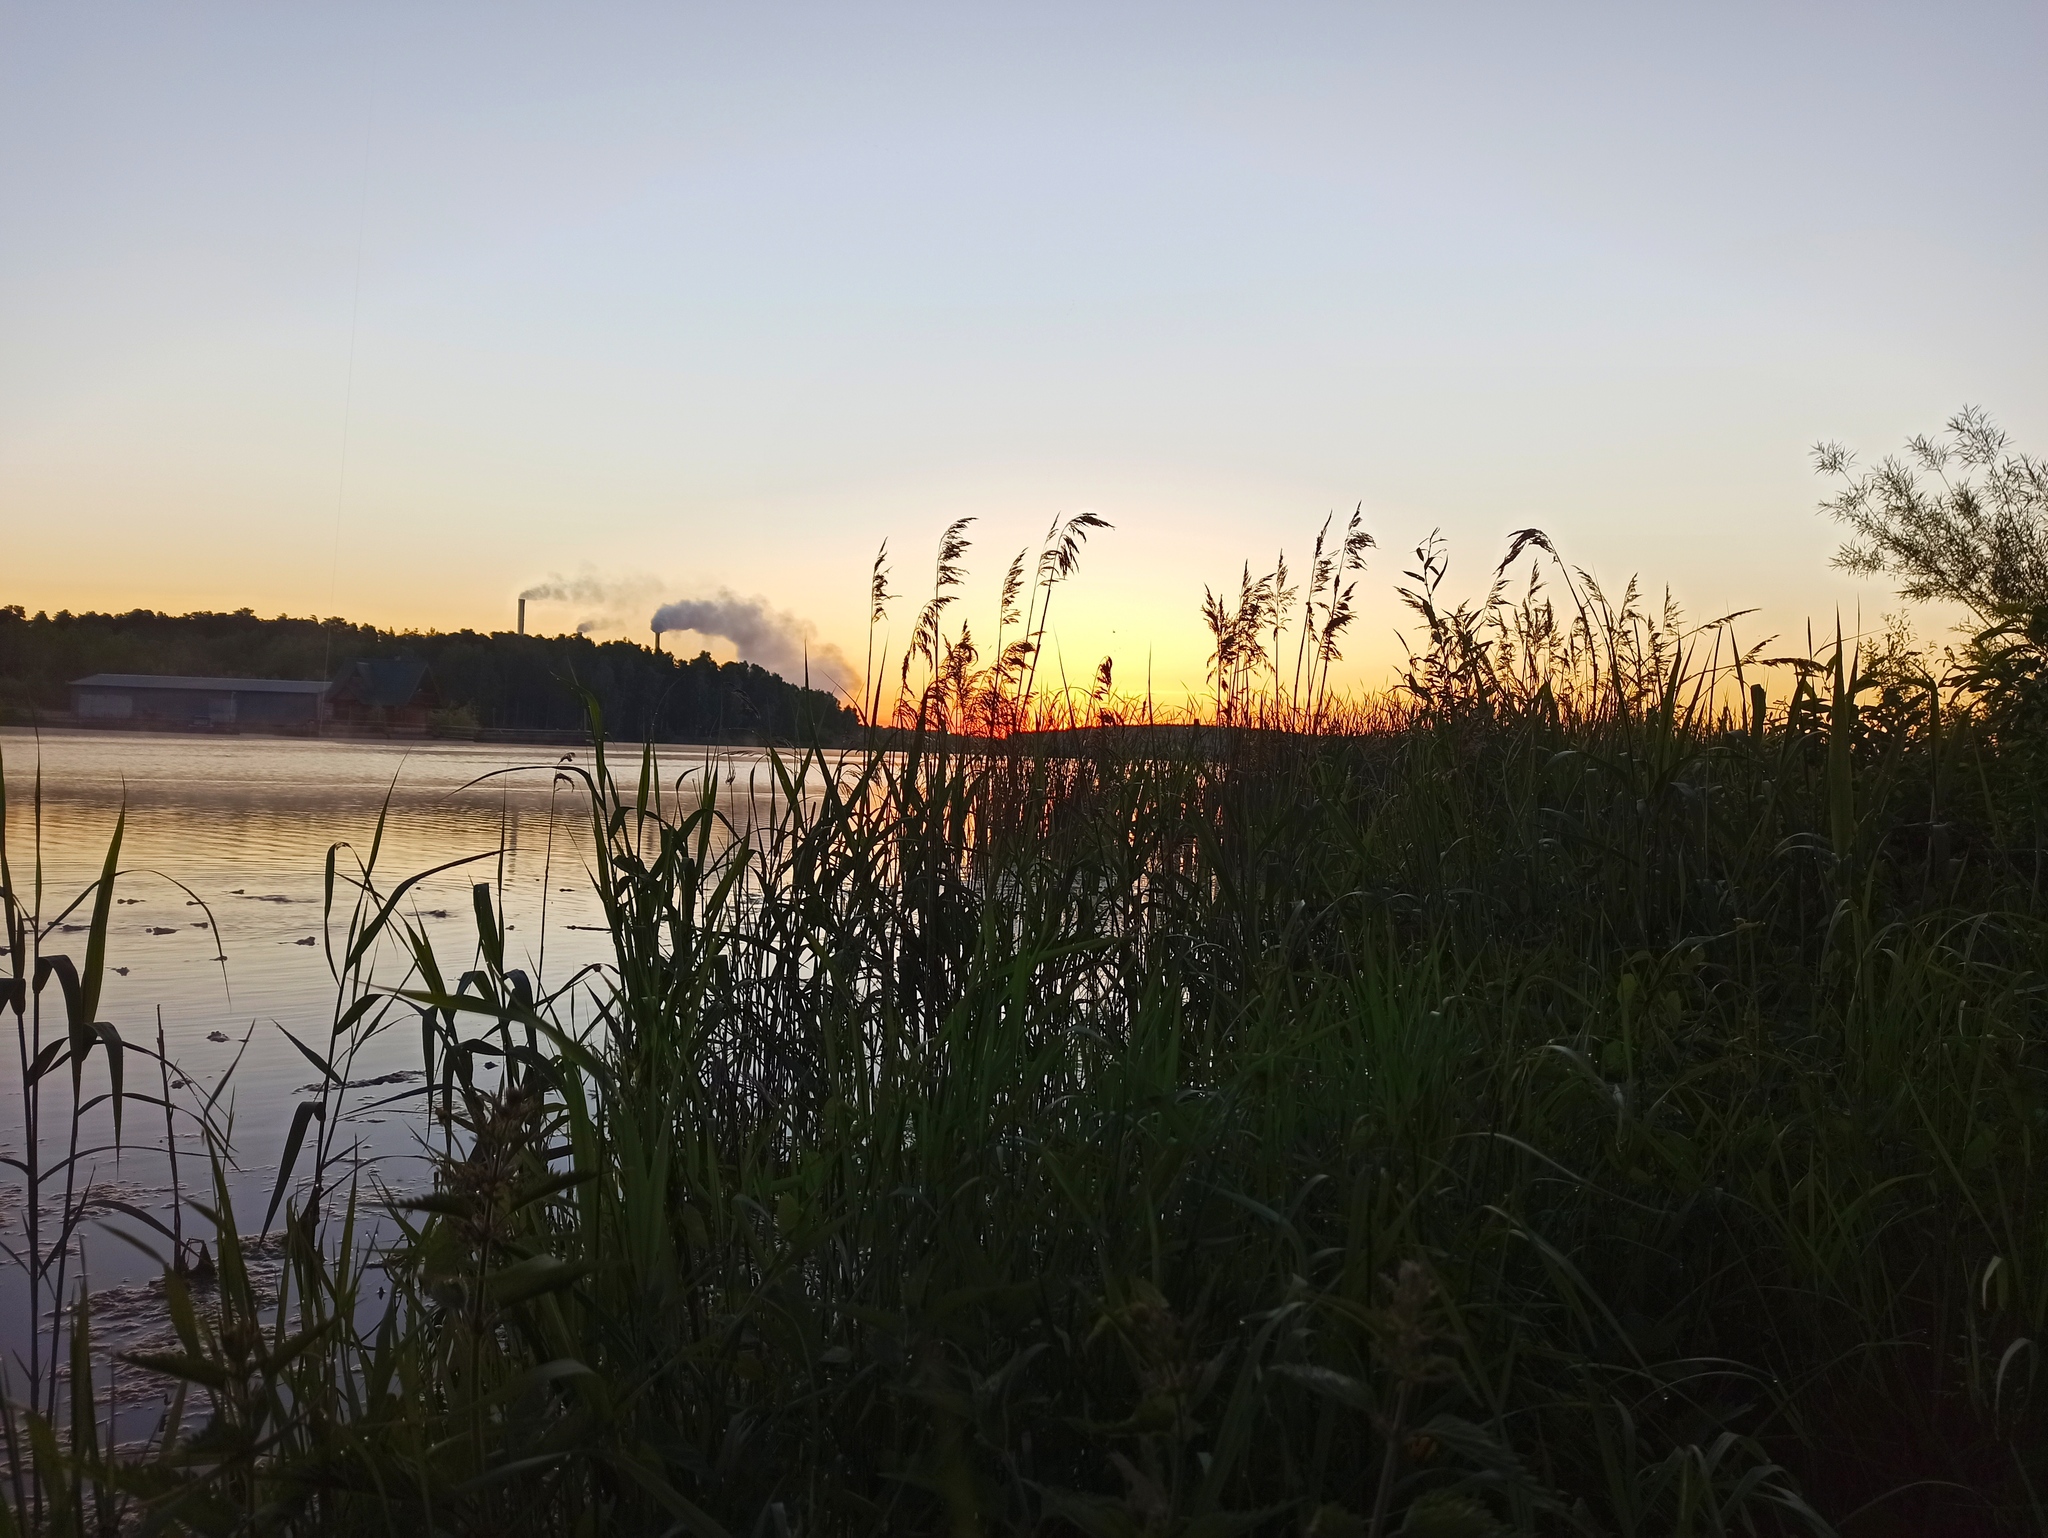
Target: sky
x=396 y=311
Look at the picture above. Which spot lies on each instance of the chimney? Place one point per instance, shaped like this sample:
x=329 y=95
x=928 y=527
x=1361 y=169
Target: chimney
x=522 y=616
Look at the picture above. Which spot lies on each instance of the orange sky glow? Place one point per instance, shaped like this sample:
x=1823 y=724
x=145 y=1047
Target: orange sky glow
x=394 y=314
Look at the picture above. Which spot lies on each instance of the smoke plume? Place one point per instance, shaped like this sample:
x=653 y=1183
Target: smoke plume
x=584 y=589
x=781 y=643
x=607 y=603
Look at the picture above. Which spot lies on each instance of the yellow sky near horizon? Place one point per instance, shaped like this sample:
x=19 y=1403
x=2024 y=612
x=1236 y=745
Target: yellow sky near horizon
x=394 y=314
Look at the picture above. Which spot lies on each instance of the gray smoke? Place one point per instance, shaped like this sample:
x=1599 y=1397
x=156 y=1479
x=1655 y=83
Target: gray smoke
x=778 y=642
x=607 y=603
x=585 y=589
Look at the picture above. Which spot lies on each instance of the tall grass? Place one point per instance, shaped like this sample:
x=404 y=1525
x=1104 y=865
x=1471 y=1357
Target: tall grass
x=1590 y=1102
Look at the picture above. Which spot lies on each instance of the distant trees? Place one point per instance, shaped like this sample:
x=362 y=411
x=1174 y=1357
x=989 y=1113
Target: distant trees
x=497 y=680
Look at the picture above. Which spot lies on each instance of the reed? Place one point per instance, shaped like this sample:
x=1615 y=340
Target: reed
x=1570 y=1096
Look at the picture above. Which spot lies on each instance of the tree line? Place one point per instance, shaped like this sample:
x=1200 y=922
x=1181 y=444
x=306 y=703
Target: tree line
x=496 y=680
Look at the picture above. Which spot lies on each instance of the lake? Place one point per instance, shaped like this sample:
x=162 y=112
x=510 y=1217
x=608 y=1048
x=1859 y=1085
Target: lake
x=217 y=930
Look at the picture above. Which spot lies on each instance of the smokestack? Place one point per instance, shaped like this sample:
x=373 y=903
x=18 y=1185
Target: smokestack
x=522 y=616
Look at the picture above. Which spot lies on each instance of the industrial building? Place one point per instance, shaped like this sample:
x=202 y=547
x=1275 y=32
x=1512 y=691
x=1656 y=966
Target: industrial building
x=389 y=696
x=201 y=704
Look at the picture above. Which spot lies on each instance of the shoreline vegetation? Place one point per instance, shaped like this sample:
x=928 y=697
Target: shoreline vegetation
x=1572 y=1094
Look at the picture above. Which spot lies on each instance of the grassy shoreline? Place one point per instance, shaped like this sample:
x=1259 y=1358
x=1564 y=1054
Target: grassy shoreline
x=1572 y=1126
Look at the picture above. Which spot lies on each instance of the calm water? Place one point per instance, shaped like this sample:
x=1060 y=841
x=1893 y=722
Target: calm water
x=245 y=824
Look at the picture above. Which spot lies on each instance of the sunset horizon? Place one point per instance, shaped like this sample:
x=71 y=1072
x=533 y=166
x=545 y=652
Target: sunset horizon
x=1155 y=770
x=480 y=309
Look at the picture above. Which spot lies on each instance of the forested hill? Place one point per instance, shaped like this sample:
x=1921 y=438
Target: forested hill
x=496 y=680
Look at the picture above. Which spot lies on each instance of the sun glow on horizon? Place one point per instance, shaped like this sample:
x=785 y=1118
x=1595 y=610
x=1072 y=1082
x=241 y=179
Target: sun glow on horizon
x=710 y=307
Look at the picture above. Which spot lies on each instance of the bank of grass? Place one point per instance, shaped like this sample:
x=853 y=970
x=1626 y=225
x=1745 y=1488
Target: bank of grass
x=1583 y=1102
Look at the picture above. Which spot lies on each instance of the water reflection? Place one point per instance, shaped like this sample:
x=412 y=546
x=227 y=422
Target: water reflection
x=217 y=933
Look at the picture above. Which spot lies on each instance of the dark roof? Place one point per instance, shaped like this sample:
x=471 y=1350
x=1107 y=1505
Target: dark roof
x=200 y=685
x=386 y=682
